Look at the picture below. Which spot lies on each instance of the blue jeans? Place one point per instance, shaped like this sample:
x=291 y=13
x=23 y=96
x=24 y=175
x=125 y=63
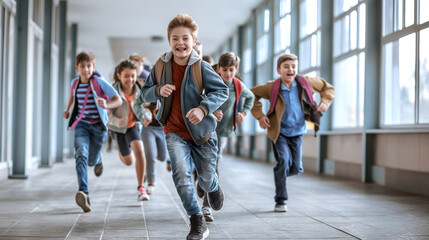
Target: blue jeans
x=184 y=155
x=155 y=147
x=288 y=154
x=88 y=141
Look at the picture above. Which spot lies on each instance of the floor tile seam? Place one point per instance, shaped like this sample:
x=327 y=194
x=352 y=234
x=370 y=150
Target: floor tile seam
x=35 y=209
x=144 y=219
x=329 y=225
x=112 y=191
x=179 y=209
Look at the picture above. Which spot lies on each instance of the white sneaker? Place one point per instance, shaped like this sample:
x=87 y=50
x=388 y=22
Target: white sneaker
x=207 y=212
x=280 y=207
x=150 y=189
x=142 y=194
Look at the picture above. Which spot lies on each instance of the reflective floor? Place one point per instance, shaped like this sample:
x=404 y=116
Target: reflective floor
x=320 y=207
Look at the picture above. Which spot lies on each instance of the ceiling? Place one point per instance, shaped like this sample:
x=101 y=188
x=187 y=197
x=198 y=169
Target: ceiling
x=112 y=30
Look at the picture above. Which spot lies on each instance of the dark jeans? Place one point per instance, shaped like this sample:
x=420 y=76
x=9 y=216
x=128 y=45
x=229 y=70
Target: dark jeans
x=288 y=154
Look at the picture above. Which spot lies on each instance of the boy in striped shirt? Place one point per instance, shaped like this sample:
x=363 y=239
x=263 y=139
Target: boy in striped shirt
x=90 y=96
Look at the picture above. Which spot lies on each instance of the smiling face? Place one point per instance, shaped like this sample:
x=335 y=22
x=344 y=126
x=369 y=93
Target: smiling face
x=85 y=69
x=128 y=78
x=288 y=70
x=181 y=42
x=227 y=73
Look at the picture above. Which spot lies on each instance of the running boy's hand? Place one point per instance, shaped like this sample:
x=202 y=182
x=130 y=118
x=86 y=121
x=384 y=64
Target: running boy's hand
x=322 y=107
x=102 y=103
x=66 y=114
x=240 y=117
x=264 y=122
x=166 y=90
x=146 y=122
x=218 y=114
x=122 y=121
x=195 y=115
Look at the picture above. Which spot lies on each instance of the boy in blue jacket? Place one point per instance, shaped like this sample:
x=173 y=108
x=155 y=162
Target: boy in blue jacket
x=187 y=117
x=87 y=101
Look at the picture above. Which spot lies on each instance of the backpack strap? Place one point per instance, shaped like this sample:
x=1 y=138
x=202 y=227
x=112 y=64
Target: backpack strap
x=97 y=90
x=159 y=66
x=73 y=87
x=197 y=76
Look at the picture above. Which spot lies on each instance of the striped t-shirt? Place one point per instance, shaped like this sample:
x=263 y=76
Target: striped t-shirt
x=90 y=114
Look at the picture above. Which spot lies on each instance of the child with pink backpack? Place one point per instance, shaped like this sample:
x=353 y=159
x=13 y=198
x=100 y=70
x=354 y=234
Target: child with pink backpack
x=90 y=96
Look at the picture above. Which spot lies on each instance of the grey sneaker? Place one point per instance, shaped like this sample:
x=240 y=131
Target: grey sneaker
x=216 y=199
x=200 y=191
x=98 y=169
x=207 y=212
x=82 y=200
x=199 y=228
x=280 y=207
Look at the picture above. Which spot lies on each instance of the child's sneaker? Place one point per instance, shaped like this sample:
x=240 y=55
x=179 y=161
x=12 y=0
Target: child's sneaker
x=216 y=199
x=150 y=189
x=199 y=228
x=98 y=169
x=82 y=200
x=142 y=194
x=207 y=212
x=280 y=207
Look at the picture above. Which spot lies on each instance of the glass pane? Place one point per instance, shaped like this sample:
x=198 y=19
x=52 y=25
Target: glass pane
x=409 y=12
x=345 y=105
x=387 y=17
x=282 y=34
x=341 y=6
x=353 y=30
x=304 y=55
x=361 y=88
x=309 y=18
x=338 y=34
x=262 y=49
x=284 y=7
x=424 y=77
x=424 y=6
x=399 y=81
x=362 y=26
x=398 y=15
x=247 y=60
x=266 y=20
x=263 y=73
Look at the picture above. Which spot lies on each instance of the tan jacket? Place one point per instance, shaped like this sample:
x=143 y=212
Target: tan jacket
x=317 y=84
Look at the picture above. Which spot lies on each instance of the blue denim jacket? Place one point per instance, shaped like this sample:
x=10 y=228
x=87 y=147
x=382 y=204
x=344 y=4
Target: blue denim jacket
x=105 y=87
x=215 y=94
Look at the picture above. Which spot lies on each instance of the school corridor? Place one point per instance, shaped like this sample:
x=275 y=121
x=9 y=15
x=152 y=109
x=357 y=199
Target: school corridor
x=320 y=207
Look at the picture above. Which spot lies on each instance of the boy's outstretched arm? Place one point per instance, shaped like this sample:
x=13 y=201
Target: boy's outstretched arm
x=326 y=91
x=114 y=102
x=66 y=113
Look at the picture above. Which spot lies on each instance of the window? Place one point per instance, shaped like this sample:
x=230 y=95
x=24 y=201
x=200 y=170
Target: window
x=263 y=41
x=349 y=63
x=282 y=30
x=405 y=91
x=309 y=36
x=247 y=71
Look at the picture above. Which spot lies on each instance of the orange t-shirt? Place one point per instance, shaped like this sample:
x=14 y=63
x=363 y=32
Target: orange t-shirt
x=131 y=116
x=176 y=122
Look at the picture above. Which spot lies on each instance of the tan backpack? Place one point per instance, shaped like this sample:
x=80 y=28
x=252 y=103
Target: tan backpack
x=196 y=74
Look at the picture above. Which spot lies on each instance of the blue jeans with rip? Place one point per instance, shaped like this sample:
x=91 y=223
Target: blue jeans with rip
x=184 y=155
x=288 y=154
x=88 y=141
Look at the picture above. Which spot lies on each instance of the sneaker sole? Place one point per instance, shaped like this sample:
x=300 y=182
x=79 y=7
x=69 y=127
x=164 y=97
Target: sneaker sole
x=82 y=202
x=209 y=218
x=206 y=233
x=98 y=170
x=141 y=198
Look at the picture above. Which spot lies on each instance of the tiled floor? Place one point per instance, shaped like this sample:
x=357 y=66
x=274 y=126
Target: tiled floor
x=43 y=207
